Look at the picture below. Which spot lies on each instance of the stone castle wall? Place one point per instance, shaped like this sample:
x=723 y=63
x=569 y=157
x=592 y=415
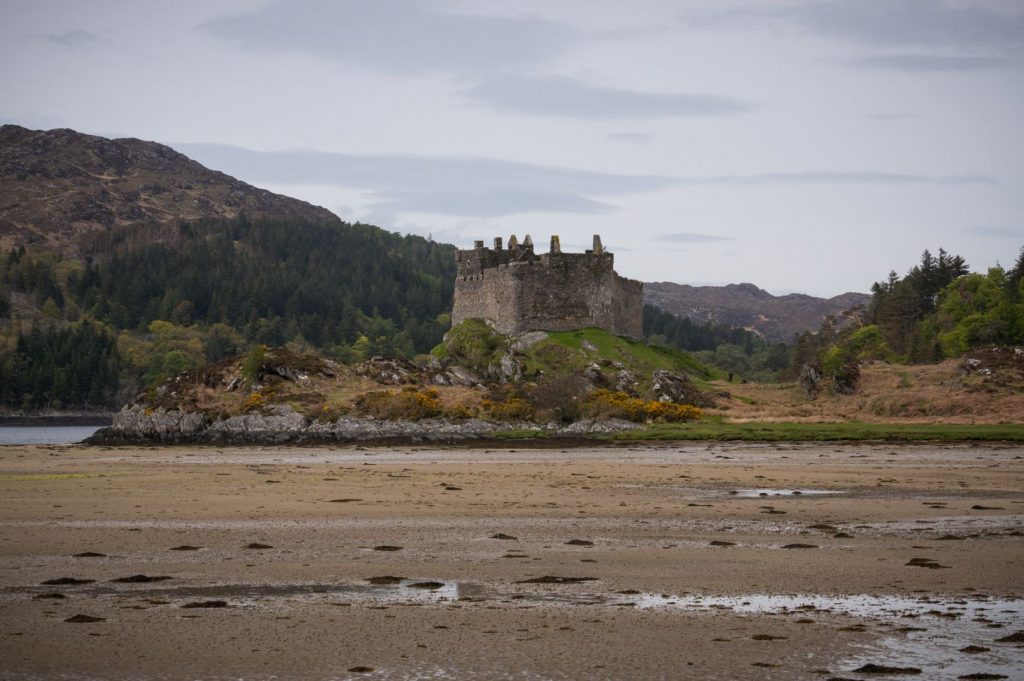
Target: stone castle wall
x=519 y=290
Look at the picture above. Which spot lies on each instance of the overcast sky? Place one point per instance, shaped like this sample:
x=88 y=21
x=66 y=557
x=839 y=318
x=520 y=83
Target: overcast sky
x=802 y=145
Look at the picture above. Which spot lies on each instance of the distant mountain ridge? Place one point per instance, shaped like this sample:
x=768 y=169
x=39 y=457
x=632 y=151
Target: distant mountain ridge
x=58 y=184
x=776 y=318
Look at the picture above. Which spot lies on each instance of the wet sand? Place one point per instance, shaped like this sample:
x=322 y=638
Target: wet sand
x=718 y=561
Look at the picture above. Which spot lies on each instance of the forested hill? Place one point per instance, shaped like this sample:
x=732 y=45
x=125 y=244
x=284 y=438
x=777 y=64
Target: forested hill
x=56 y=185
x=176 y=296
x=123 y=262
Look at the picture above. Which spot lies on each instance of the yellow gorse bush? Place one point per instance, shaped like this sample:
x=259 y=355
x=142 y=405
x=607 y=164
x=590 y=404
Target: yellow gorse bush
x=409 y=404
x=514 y=408
x=255 y=400
x=612 y=404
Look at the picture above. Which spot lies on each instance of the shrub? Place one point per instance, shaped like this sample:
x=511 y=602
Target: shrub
x=512 y=409
x=560 y=396
x=255 y=400
x=252 y=365
x=409 y=404
x=328 y=412
x=613 y=404
x=474 y=344
x=457 y=411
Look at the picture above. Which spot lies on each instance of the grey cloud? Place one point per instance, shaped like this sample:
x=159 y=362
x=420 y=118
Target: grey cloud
x=412 y=37
x=559 y=96
x=492 y=203
x=891 y=116
x=830 y=177
x=630 y=137
x=403 y=36
x=691 y=238
x=483 y=187
x=444 y=185
x=72 y=40
x=912 y=22
x=998 y=232
x=929 y=63
x=891 y=23
x=937 y=36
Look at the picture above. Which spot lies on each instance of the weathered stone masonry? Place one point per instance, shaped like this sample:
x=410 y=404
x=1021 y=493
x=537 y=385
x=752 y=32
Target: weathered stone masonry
x=519 y=290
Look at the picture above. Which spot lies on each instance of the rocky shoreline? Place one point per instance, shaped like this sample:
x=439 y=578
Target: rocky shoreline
x=280 y=424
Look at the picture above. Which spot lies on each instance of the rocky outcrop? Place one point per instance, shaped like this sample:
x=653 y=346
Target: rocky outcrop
x=456 y=375
x=592 y=372
x=993 y=360
x=810 y=379
x=525 y=341
x=388 y=371
x=280 y=424
x=282 y=364
x=843 y=379
x=672 y=387
x=597 y=426
x=158 y=424
x=625 y=382
x=509 y=369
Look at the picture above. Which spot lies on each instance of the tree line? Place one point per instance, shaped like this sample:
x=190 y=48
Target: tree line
x=939 y=309
x=173 y=297
x=60 y=368
x=740 y=352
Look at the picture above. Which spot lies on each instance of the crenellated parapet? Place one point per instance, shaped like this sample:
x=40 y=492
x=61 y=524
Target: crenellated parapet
x=479 y=258
x=520 y=290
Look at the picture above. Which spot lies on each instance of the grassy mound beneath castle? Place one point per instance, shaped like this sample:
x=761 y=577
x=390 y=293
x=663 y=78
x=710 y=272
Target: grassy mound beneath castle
x=598 y=346
x=587 y=373
x=475 y=373
x=540 y=354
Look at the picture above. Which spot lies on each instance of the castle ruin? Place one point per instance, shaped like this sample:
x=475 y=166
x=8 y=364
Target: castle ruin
x=518 y=290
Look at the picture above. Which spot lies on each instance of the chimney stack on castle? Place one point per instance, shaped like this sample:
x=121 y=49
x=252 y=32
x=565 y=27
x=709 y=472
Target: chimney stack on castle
x=497 y=243
x=528 y=242
x=598 y=248
x=512 y=242
x=556 y=245
x=478 y=244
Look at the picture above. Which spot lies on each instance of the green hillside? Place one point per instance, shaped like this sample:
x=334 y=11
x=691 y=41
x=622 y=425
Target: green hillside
x=166 y=298
x=543 y=356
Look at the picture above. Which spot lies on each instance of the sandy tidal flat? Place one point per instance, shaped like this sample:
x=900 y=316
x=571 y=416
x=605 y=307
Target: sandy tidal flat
x=656 y=562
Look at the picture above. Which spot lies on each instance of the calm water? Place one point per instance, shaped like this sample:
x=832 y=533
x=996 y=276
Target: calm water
x=44 y=435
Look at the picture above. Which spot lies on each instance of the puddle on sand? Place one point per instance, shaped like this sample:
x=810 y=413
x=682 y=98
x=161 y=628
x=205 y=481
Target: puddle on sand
x=949 y=623
x=937 y=654
x=404 y=591
x=771 y=492
x=710 y=493
x=926 y=632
